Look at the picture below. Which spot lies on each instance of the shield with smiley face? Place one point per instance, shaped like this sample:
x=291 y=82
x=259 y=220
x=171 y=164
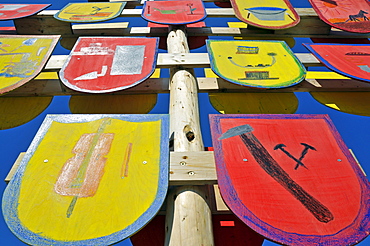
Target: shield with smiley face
x=263 y=64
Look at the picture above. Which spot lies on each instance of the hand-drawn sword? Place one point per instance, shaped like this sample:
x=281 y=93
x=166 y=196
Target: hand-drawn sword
x=272 y=168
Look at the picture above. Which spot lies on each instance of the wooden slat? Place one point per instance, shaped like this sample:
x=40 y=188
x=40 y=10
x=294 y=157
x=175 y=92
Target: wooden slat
x=211 y=12
x=197 y=167
x=190 y=60
x=53 y=87
x=14 y=167
x=44 y=23
x=99 y=28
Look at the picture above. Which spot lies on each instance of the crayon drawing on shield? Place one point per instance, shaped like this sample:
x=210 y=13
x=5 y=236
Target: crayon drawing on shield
x=291 y=178
x=107 y=64
x=22 y=57
x=89 y=179
x=90 y=12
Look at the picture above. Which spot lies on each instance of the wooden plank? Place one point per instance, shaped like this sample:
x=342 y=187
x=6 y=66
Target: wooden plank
x=44 y=23
x=100 y=28
x=52 y=87
x=201 y=163
x=14 y=167
x=196 y=167
x=191 y=60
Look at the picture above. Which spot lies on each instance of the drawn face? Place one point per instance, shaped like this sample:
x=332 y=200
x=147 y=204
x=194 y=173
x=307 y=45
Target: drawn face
x=254 y=63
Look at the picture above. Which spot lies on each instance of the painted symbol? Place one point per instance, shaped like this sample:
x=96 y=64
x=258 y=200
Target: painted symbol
x=174 y=12
x=268 y=13
x=278 y=14
x=272 y=168
x=365 y=68
x=298 y=161
x=358 y=17
x=108 y=64
x=261 y=66
x=347 y=15
x=93 y=75
x=124 y=170
x=20 y=65
x=90 y=12
x=330 y=2
x=254 y=75
x=81 y=174
x=95 y=12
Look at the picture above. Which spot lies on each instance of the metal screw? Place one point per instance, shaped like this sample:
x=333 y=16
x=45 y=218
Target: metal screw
x=339 y=160
x=191 y=173
x=145 y=162
x=245 y=159
x=182 y=163
x=46 y=160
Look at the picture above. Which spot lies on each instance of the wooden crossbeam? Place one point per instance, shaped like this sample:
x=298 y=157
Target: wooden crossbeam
x=190 y=60
x=196 y=167
x=310 y=25
x=48 y=83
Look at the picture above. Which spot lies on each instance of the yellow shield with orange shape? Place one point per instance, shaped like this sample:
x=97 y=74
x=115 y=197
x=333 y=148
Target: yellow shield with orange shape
x=89 y=179
x=263 y=64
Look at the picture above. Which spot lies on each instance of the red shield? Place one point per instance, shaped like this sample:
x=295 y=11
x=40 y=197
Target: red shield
x=174 y=12
x=348 y=59
x=347 y=15
x=291 y=178
x=99 y=65
x=15 y=11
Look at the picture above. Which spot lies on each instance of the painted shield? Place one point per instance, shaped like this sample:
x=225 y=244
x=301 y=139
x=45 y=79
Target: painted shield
x=15 y=11
x=291 y=178
x=22 y=58
x=348 y=59
x=174 y=12
x=90 y=12
x=277 y=14
x=255 y=63
x=89 y=179
x=347 y=15
x=107 y=64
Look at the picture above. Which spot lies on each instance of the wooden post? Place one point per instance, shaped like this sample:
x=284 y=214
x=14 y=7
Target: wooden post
x=188 y=219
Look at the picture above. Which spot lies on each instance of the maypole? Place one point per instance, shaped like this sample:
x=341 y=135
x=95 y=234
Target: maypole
x=188 y=218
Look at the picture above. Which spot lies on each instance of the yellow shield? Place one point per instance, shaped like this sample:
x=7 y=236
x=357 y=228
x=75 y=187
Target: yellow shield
x=270 y=14
x=264 y=64
x=90 y=12
x=89 y=179
x=22 y=58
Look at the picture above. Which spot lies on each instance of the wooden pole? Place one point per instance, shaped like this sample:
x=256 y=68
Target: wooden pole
x=188 y=219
